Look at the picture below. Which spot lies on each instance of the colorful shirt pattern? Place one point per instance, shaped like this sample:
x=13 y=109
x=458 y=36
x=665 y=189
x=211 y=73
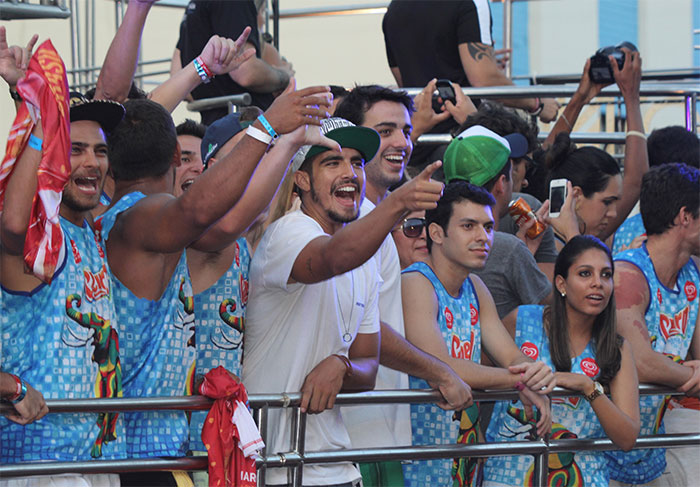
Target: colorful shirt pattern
x=630 y=229
x=219 y=314
x=572 y=417
x=158 y=352
x=670 y=319
x=63 y=340
x=461 y=329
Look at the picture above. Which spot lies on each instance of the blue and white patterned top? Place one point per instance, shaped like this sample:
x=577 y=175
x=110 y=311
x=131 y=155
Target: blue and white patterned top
x=572 y=417
x=670 y=319
x=630 y=229
x=219 y=314
x=157 y=352
x=62 y=339
x=461 y=329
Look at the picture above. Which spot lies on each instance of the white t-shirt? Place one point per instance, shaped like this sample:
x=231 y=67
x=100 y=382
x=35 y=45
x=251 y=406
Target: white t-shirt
x=290 y=328
x=383 y=425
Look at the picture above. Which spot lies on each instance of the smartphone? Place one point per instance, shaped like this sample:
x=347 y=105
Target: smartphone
x=557 y=195
x=446 y=91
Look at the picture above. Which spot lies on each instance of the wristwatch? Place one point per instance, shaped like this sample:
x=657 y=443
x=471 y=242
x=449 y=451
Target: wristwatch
x=15 y=96
x=597 y=391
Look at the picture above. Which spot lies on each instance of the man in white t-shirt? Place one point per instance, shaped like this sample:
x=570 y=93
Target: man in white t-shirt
x=313 y=318
x=389 y=113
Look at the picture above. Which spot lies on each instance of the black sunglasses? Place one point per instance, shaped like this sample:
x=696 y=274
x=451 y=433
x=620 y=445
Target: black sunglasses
x=413 y=227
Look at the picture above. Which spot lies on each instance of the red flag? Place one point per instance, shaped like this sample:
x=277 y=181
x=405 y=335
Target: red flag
x=44 y=90
x=228 y=467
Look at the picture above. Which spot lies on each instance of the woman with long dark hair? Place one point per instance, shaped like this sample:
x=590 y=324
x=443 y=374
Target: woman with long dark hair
x=577 y=336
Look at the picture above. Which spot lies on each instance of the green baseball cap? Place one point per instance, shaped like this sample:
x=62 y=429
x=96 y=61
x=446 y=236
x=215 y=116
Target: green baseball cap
x=476 y=155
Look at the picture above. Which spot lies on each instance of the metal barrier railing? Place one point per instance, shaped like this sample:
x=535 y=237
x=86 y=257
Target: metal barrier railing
x=51 y=9
x=297 y=456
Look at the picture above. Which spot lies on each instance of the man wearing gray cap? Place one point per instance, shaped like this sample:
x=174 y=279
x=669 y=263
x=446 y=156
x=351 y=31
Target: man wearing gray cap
x=312 y=317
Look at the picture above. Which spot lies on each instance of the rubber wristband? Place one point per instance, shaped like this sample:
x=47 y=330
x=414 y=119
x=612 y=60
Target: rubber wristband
x=22 y=393
x=205 y=67
x=199 y=66
x=346 y=361
x=519 y=386
x=258 y=135
x=635 y=133
x=268 y=127
x=35 y=142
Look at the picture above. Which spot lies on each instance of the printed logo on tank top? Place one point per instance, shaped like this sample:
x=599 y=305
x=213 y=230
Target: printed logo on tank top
x=449 y=318
x=658 y=296
x=96 y=285
x=243 y=283
x=571 y=402
x=237 y=255
x=691 y=292
x=473 y=314
x=529 y=349
x=589 y=367
x=674 y=325
x=462 y=349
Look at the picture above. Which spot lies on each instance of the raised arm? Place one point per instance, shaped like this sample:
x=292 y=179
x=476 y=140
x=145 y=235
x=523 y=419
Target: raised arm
x=262 y=188
x=220 y=55
x=585 y=92
x=166 y=224
x=14 y=61
x=352 y=245
x=636 y=158
x=482 y=69
x=631 y=300
x=119 y=65
x=256 y=75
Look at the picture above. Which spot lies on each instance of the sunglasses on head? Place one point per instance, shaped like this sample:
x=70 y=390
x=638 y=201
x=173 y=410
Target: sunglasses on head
x=413 y=227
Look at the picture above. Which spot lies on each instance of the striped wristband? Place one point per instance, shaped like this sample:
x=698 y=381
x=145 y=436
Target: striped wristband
x=202 y=70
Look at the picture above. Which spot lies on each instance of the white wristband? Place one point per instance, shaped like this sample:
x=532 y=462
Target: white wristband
x=259 y=135
x=636 y=133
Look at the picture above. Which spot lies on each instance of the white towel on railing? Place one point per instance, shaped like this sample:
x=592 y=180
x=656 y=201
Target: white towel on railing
x=250 y=441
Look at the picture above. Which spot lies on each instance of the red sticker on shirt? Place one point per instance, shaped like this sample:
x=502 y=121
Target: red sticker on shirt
x=76 y=254
x=449 y=319
x=589 y=367
x=691 y=291
x=530 y=350
x=473 y=314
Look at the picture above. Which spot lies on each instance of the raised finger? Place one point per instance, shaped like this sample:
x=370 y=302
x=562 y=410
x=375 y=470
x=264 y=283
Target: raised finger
x=306 y=392
x=3 y=41
x=429 y=170
x=243 y=37
x=32 y=42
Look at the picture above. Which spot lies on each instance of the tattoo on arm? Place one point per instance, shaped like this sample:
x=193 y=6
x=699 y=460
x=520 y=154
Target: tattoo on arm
x=479 y=51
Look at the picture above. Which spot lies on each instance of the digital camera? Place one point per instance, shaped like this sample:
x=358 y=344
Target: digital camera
x=600 y=70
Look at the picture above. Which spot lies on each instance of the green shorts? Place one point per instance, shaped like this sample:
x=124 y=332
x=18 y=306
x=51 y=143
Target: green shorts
x=382 y=474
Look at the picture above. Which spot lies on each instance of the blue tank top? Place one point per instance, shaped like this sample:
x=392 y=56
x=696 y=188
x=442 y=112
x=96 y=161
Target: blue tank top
x=630 y=229
x=63 y=340
x=572 y=417
x=670 y=319
x=158 y=353
x=219 y=313
x=461 y=329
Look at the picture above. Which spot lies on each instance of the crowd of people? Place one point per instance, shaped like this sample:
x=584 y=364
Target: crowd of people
x=303 y=245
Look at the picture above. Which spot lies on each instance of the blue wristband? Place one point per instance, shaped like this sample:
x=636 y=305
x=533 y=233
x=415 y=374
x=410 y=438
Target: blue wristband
x=35 y=142
x=21 y=394
x=268 y=127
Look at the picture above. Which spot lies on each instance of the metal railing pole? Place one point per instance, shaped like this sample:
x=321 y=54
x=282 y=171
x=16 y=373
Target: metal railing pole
x=691 y=120
x=298 y=443
x=276 y=24
x=262 y=415
x=508 y=32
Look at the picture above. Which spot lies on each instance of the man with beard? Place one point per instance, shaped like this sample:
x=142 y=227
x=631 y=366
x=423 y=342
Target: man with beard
x=61 y=337
x=389 y=113
x=312 y=317
x=449 y=313
x=146 y=231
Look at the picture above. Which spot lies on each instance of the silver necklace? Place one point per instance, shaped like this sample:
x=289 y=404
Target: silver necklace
x=347 y=336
